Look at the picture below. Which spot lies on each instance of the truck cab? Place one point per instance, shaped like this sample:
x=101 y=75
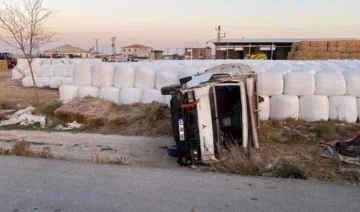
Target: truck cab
x=215 y=108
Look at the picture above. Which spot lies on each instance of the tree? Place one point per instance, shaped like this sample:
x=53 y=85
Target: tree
x=23 y=27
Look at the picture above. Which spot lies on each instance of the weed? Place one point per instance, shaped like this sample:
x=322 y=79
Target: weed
x=7 y=105
x=155 y=112
x=123 y=107
x=325 y=130
x=21 y=148
x=235 y=160
x=118 y=161
x=4 y=151
x=290 y=171
x=99 y=159
x=49 y=108
x=45 y=153
x=105 y=160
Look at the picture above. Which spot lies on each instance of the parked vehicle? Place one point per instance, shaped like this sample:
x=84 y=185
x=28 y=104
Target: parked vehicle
x=11 y=61
x=217 y=107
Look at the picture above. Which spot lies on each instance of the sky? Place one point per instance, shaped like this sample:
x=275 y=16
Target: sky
x=169 y=24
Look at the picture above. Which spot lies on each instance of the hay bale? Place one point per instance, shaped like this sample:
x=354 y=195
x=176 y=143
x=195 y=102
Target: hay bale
x=351 y=46
x=344 y=56
x=300 y=54
x=335 y=55
x=290 y=56
x=294 y=47
x=342 y=46
x=357 y=46
x=304 y=45
x=318 y=45
x=313 y=55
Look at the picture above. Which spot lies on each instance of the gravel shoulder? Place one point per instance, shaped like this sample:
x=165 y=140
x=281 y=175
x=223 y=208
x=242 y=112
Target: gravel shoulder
x=133 y=150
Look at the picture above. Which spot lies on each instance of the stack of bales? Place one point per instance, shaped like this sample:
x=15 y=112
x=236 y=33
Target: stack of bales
x=306 y=90
x=325 y=50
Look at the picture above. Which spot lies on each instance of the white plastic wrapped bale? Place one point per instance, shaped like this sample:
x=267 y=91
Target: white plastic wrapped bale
x=88 y=91
x=103 y=75
x=314 y=108
x=191 y=70
x=82 y=74
x=46 y=71
x=270 y=83
x=35 y=69
x=343 y=108
x=70 y=71
x=150 y=95
x=124 y=76
x=284 y=106
x=22 y=64
x=42 y=82
x=130 y=95
x=27 y=82
x=110 y=93
x=167 y=76
x=68 y=92
x=60 y=70
x=352 y=79
x=280 y=68
x=16 y=74
x=55 y=82
x=330 y=84
x=299 y=84
x=145 y=77
x=264 y=108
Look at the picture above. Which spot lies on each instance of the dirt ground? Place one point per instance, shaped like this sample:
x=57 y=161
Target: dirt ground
x=282 y=142
x=13 y=91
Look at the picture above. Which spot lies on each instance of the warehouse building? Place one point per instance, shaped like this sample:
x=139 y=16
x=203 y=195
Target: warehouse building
x=273 y=49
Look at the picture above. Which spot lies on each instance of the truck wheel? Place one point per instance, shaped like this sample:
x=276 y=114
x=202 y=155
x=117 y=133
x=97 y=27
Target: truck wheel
x=167 y=90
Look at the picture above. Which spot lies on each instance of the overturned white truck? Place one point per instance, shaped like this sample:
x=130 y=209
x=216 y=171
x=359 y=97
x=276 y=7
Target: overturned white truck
x=219 y=106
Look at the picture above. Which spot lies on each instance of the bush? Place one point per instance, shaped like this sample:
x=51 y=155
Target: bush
x=290 y=171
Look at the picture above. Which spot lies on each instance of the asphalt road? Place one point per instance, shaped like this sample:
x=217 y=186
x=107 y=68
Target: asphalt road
x=28 y=184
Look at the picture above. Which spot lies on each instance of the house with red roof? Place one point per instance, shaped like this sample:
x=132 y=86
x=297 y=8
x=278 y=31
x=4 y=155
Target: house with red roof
x=137 y=51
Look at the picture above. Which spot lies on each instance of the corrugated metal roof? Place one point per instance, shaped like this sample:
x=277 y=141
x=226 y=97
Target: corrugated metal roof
x=67 y=49
x=277 y=40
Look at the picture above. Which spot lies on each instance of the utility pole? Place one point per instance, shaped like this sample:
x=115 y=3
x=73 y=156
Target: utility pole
x=219 y=37
x=97 y=45
x=113 y=45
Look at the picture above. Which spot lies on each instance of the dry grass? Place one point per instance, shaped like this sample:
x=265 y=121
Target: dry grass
x=156 y=111
x=22 y=148
x=287 y=147
x=237 y=161
x=101 y=159
x=7 y=105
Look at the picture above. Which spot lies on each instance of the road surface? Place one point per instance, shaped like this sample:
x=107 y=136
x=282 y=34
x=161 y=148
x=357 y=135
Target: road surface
x=30 y=184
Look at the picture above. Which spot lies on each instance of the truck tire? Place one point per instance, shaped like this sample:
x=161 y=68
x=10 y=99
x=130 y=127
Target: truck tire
x=167 y=90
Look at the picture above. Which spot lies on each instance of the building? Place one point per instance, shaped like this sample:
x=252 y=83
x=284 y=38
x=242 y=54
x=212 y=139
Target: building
x=197 y=53
x=137 y=51
x=67 y=51
x=274 y=49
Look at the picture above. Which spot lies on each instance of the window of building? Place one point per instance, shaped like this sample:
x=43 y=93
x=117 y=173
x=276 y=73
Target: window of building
x=129 y=50
x=135 y=50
